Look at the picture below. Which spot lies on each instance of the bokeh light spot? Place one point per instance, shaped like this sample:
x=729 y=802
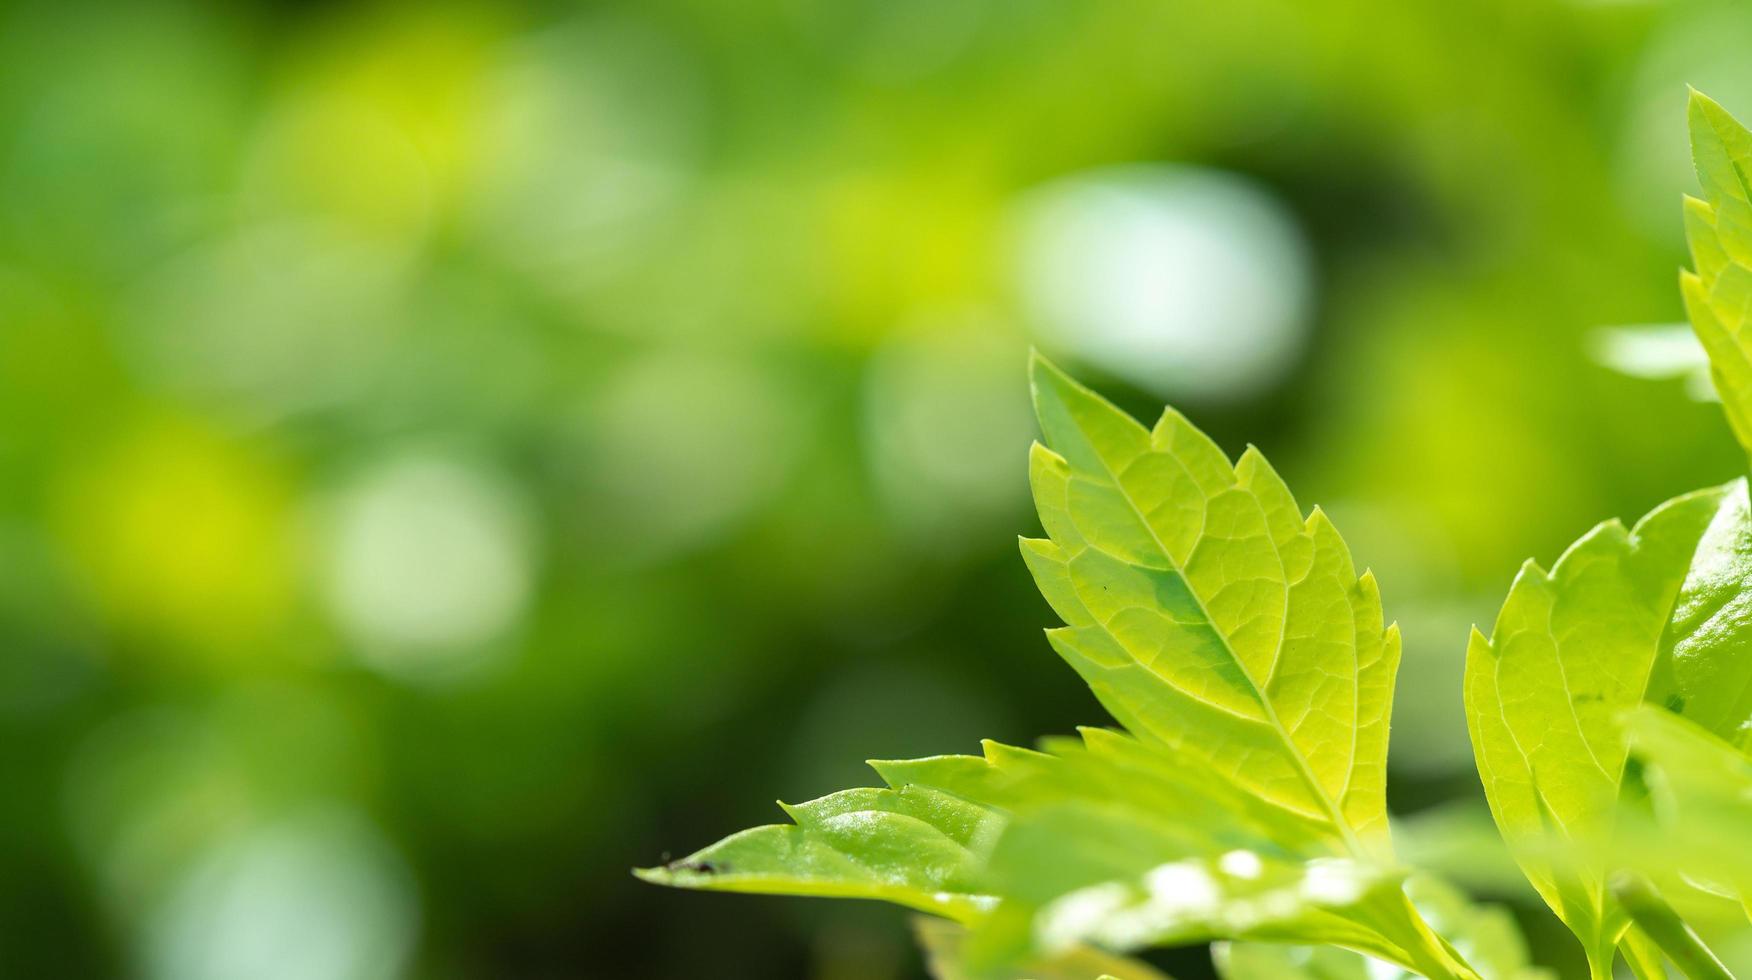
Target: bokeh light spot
x=680 y=446
x=275 y=320
x=590 y=134
x=319 y=894
x=1187 y=282
x=430 y=558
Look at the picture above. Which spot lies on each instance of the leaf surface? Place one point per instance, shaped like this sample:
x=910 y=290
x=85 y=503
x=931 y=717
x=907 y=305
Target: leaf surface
x=1712 y=678
x=1208 y=614
x=1718 y=295
x=1572 y=650
x=913 y=846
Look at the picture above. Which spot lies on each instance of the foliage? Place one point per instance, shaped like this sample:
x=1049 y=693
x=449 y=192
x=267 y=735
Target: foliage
x=1245 y=659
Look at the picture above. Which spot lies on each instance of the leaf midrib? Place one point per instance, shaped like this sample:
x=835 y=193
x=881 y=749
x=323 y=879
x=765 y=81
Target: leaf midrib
x=1333 y=813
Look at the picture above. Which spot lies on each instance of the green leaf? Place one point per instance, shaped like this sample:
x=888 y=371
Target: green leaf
x=1719 y=229
x=913 y=846
x=1572 y=650
x=1104 y=819
x=1716 y=686
x=1641 y=954
x=1209 y=615
x=1659 y=933
x=1111 y=844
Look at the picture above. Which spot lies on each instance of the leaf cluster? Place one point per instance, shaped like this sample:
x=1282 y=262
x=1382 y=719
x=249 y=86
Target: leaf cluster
x=1241 y=799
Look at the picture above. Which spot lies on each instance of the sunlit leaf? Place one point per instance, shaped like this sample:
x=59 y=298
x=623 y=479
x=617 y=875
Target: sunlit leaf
x=1209 y=615
x=1719 y=229
x=1572 y=650
x=913 y=846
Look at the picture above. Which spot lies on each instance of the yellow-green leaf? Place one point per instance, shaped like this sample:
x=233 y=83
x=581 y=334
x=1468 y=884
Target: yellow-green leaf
x=1571 y=651
x=1208 y=614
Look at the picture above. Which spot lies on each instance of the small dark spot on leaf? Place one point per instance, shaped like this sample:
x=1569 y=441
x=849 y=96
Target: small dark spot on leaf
x=700 y=867
x=1633 y=778
x=1675 y=703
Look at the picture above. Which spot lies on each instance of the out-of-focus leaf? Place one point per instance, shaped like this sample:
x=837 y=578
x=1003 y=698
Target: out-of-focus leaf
x=942 y=942
x=1701 y=790
x=1486 y=935
x=1657 y=352
x=1268 y=961
x=1238 y=895
x=1460 y=842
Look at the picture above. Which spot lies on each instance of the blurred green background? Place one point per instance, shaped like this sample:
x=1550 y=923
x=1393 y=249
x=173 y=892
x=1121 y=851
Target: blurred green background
x=452 y=453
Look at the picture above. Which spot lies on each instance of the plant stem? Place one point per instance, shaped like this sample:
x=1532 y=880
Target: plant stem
x=1641 y=955
x=1661 y=924
x=1429 y=953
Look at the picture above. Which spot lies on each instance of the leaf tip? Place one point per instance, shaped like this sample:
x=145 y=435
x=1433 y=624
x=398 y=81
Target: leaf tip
x=1252 y=464
x=1042 y=460
x=1047 y=380
x=1035 y=550
x=1693 y=292
x=1040 y=369
x=1319 y=522
x=1530 y=569
x=1701 y=111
